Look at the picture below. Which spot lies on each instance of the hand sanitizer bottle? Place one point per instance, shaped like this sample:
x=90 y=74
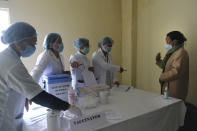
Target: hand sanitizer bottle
x=166 y=92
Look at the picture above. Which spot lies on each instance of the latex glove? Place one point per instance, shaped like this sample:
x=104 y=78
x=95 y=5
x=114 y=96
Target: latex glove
x=75 y=110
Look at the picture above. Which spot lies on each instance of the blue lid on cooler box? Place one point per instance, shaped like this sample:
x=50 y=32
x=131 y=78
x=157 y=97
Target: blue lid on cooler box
x=59 y=78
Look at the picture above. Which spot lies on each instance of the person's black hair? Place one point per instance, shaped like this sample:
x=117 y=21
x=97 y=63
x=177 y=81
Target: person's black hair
x=177 y=35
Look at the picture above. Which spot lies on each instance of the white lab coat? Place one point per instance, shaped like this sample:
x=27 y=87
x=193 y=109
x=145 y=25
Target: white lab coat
x=15 y=85
x=102 y=66
x=76 y=73
x=47 y=64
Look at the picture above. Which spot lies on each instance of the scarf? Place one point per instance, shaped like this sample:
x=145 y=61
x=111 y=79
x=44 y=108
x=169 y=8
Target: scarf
x=168 y=54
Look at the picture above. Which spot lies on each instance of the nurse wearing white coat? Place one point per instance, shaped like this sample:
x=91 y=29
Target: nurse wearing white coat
x=80 y=62
x=50 y=61
x=104 y=68
x=15 y=82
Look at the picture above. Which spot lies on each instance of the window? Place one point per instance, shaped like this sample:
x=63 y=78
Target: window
x=4 y=23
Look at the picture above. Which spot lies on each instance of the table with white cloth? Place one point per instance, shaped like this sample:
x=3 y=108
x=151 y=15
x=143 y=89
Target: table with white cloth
x=135 y=110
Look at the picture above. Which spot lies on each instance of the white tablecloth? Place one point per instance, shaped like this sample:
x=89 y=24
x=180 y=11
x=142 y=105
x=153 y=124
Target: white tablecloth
x=134 y=110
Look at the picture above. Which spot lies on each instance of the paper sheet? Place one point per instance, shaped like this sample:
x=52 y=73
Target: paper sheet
x=122 y=88
x=35 y=114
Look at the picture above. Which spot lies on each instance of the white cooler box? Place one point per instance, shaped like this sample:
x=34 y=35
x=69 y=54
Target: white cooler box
x=57 y=85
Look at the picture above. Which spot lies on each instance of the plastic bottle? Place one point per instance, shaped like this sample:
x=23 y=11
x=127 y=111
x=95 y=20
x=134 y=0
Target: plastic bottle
x=166 y=92
x=71 y=96
x=53 y=120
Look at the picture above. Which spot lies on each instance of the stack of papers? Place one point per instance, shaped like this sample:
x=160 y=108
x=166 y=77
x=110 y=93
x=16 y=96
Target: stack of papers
x=35 y=114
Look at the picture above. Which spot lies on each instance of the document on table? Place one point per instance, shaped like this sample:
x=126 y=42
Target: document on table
x=35 y=114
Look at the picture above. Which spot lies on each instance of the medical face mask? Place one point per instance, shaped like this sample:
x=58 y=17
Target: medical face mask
x=29 y=50
x=60 y=47
x=168 y=47
x=107 y=50
x=85 y=51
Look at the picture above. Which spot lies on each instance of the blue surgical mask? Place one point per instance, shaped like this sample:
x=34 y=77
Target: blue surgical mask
x=85 y=51
x=107 y=50
x=29 y=50
x=168 y=46
x=60 y=47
